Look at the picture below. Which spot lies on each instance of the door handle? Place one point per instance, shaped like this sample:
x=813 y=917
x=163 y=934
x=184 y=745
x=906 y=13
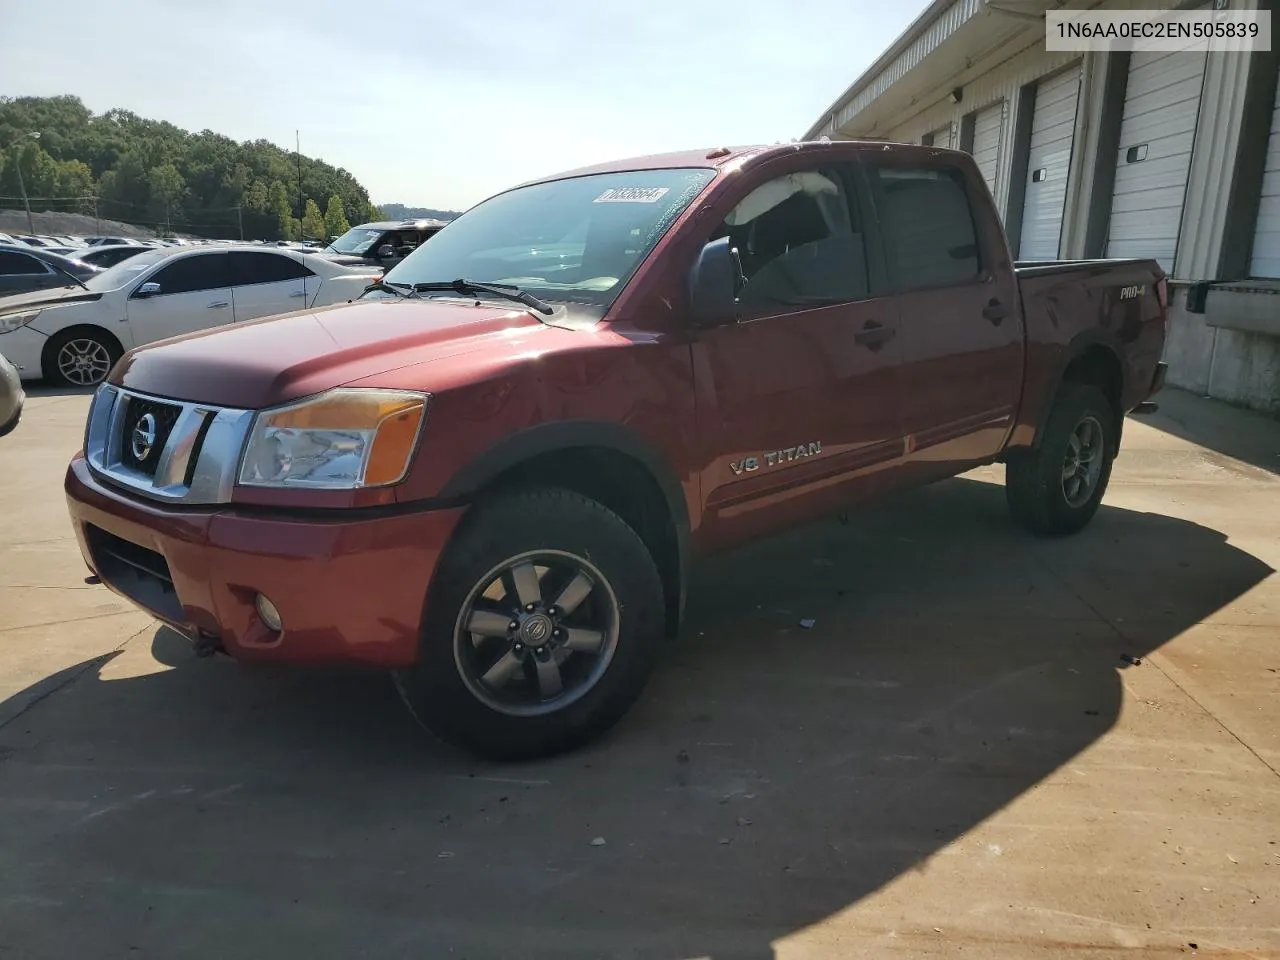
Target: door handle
x=219 y=304
x=873 y=335
x=995 y=311
x=300 y=293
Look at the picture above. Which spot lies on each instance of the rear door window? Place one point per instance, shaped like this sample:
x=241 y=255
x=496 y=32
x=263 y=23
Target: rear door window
x=927 y=226
x=248 y=268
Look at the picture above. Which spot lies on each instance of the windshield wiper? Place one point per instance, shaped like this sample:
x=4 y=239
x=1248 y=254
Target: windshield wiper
x=507 y=290
x=68 y=273
x=385 y=287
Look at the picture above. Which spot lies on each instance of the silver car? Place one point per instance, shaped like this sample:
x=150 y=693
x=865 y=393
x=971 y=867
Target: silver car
x=11 y=396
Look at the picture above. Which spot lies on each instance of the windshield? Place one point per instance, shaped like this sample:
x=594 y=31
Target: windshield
x=576 y=240
x=113 y=278
x=356 y=241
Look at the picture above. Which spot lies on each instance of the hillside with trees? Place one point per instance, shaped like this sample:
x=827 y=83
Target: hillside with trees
x=398 y=211
x=151 y=173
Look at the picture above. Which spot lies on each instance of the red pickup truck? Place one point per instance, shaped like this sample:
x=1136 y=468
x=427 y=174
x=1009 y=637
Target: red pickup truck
x=492 y=471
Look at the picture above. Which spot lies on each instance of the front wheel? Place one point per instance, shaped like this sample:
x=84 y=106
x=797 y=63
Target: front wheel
x=79 y=358
x=1057 y=487
x=541 y=630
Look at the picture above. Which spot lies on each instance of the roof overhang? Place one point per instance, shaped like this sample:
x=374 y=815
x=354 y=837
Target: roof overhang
x=950 y=43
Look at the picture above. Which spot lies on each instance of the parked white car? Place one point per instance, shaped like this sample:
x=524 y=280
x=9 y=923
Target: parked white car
x=73 y=335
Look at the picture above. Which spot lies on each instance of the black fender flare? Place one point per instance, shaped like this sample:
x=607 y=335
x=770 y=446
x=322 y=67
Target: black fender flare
x=544 y=438
x=1076 y=349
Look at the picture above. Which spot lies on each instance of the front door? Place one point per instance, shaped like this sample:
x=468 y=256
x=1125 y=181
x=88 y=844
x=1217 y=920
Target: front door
x=266 y=283
x=959 y=322
x=194 y=295
x=798 y=402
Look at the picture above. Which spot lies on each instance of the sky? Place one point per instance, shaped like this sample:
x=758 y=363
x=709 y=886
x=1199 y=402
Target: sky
x=443 y=104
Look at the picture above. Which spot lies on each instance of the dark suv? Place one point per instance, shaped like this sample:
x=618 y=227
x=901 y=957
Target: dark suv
x=383 y=244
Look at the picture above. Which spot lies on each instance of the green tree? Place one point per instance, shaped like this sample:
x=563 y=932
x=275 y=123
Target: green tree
x=255 y=198
x=223 y=181
x=75 y=180
x=312 y=221
x=167 y=188
x=278 y=202
x=335 y=218
x=39 y=171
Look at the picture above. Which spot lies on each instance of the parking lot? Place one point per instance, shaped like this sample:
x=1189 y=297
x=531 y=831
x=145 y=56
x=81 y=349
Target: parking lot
x=956 y=757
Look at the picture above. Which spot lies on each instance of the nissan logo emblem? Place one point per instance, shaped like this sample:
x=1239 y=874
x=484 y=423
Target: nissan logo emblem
x=144 y=436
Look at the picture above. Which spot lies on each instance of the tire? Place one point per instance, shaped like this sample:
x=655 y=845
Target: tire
x=609 y=640
x=1040 y=496
x=97 y=347
x=12 y=425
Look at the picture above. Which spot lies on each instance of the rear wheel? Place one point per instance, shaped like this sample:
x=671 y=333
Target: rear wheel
x=542 y=628
x=80 y=357
x=1057 y=487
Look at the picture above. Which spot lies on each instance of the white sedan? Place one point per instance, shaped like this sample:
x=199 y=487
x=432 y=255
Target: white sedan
x=74 y=335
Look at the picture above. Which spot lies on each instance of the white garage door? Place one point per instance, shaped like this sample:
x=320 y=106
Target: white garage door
x=1157 y=131
x=1053 y=125
x=1266 y=238
x=938 y=138
x=988 y=125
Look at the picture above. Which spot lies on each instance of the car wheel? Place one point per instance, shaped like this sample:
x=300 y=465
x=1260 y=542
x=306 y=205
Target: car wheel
x=541 y=629
x=1057 y=487
x=80 y=358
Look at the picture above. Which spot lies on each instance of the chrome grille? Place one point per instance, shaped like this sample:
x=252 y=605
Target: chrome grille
x=192 y=460
x=144 y=457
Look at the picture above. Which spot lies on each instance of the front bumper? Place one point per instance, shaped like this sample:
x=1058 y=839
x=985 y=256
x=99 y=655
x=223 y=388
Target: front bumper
x=348 y=590
x=24 y=348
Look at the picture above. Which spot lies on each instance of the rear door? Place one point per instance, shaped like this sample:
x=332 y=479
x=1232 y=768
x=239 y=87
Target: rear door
x=20 y=272
x=798 y=401
x=960 y=331
x=194 y=295
x=264 y=284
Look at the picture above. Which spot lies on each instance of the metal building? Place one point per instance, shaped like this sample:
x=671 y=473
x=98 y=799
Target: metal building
x=1174 y=156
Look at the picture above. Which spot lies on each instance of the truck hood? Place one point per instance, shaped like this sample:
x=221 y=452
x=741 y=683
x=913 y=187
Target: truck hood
x=267 y=362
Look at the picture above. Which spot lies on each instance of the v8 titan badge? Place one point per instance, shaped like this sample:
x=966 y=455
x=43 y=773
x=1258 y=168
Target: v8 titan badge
x=773 y=458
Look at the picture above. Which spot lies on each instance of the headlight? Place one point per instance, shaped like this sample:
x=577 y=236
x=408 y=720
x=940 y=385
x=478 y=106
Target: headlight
x=338 y=440
x=15 y=320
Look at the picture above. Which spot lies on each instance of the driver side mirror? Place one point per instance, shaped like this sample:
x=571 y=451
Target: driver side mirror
x=714 y=284
x=147 y=290
x=386 y=252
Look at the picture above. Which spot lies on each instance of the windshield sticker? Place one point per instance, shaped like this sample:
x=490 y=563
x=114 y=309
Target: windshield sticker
x=632 y=195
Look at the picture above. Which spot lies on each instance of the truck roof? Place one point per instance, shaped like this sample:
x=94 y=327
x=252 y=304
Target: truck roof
x=714 y=157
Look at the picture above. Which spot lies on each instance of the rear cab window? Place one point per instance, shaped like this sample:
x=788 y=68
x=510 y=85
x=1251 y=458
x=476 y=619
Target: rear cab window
x=928 y=229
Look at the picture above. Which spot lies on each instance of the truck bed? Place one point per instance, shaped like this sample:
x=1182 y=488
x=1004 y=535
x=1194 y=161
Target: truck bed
x=1070 y=306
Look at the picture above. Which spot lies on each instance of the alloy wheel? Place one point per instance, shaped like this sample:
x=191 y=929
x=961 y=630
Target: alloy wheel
x=1082 y=465
x=84 y=362
x=536 y=633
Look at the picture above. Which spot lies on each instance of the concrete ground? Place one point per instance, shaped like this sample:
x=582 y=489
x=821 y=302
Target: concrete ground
x=953 y=761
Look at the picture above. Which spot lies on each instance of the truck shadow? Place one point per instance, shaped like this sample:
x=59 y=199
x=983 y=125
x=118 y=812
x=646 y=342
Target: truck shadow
x=776 y=771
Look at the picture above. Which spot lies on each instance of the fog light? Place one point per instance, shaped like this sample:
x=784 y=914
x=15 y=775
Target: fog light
x=268 y=612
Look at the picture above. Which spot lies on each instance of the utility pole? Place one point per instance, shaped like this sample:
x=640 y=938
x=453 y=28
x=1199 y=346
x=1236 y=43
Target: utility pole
x=240 y=219
x=22 y=187
x=97 y=220
x=302 y=209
